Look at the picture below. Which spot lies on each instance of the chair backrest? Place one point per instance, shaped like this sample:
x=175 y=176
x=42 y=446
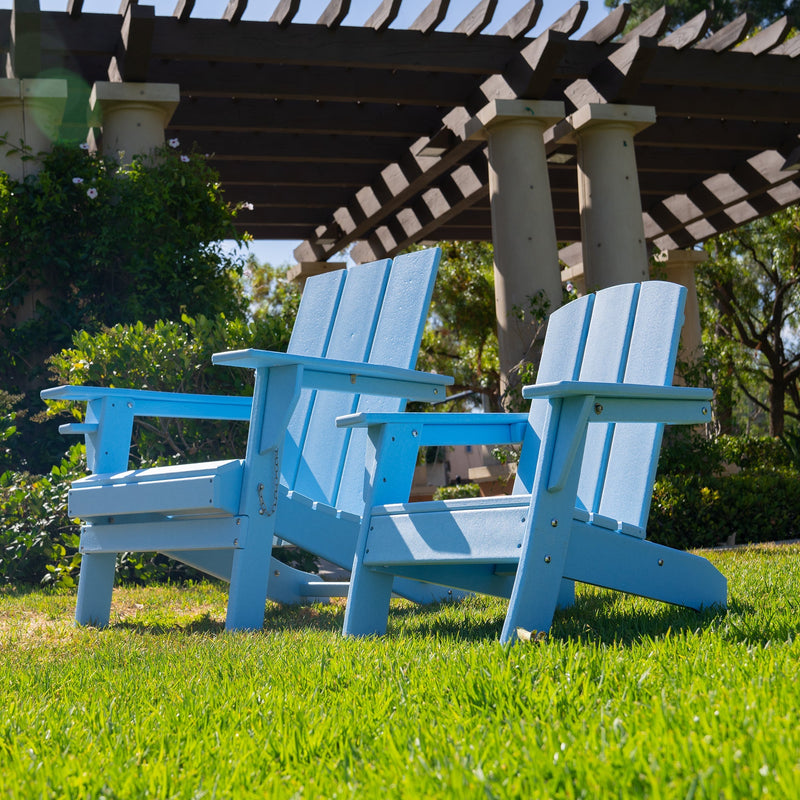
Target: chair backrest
x=371 y=313
x=623 y=334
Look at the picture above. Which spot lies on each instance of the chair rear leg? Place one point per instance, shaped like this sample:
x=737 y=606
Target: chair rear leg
x=367 y=603
x=247 y=597
x=95 y=585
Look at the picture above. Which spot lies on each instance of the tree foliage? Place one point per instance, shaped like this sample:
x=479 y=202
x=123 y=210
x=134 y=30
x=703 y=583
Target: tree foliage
x=170 y=357
x=86 y=242
x=751 y=310
x=722 y=11
x=461 y=336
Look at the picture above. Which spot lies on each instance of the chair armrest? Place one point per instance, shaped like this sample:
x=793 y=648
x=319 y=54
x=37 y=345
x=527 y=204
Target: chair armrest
x=345 y=376
x=630 y=402
x=146 y=403
x=435 y=429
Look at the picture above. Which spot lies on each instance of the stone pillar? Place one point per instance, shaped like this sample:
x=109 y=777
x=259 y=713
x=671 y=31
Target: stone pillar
x=523 y=228
x=612 y=232
x=679 y=267
x=31 y=111
x=133 y=116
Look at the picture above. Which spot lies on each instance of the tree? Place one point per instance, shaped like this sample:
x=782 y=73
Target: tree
x=461 y=336
x=751 y=301
x=722 y=11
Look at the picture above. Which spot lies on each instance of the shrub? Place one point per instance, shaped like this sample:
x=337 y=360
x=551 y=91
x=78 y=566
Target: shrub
x=708 y=510
x=172 y=357
x=458 y=490
x=685 y=451
x=696 y=505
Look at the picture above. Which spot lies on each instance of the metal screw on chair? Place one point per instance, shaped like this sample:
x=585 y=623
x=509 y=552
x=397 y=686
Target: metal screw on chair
x=547 y=559
x=660 y=562
x=598 y=408
x=554 y=523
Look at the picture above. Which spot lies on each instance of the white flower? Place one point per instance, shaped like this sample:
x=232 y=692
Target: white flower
x=185 y=159
x=84 y=145
x=91 y=193
x=174 y=143
x=77 y=180
x=247 y=206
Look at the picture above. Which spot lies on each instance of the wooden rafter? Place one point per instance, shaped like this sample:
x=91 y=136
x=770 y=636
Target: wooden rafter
x=384 y=15
x=689 y=33
x=478 y=18
x=234 y=10
x=285 y=12
x=25 y=45
x=727 y=37
x=340 y=133
x=611 y=26
x=334 y=13
x=431 y=17
x=523 y=20
x=132 y=60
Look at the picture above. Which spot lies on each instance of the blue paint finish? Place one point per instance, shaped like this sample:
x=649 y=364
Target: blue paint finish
x=590 y=447
x=357 y=331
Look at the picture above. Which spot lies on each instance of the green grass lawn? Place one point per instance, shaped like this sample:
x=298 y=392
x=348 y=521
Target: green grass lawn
x=625 y=698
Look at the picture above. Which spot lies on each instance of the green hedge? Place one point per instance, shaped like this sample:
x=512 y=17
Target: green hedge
x=704 y=511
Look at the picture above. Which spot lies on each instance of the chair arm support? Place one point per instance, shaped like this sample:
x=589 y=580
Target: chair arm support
x=434 y=429
x=146 y=403
x=345 y=376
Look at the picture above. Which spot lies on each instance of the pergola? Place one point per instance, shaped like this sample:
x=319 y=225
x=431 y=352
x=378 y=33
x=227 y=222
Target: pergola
x=383 y=137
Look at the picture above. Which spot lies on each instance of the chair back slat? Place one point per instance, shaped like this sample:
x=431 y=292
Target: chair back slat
x=604 y=359
x=396 y=343
x=310 y=337
x=562 y=355
x=323 y=445
x=628 y=334
x=632 y=462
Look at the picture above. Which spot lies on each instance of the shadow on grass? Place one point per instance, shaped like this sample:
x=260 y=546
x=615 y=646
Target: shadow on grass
x=605 y=619
x=205 y=625
x=609 y=619
x=276 y=618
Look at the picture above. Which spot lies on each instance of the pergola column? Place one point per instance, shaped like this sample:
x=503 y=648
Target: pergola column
x=523 y=228
x=679 y=267
x=612 y=231
x=133 y=116
x=31 y=111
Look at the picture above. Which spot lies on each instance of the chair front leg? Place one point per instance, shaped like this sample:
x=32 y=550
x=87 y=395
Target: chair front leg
x=391 y=457
x=95 y=586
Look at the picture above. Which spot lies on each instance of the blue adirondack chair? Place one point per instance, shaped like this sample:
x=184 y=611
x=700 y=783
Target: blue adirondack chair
x=354 y=342
x=581 y=499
